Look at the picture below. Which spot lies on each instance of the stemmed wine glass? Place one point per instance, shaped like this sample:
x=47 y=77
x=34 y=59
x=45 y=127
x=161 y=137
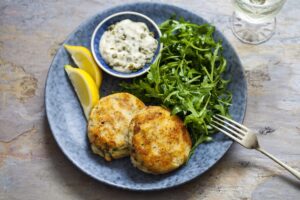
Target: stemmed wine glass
x=254 y=21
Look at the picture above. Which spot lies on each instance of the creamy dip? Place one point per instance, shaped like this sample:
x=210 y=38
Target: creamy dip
x=127 y=46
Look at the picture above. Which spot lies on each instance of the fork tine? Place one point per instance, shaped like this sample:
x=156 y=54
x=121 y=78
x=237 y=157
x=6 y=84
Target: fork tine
x=230 y=131
x=221 y=130
x=234 y=122
x=239 y=131
x=226 y=133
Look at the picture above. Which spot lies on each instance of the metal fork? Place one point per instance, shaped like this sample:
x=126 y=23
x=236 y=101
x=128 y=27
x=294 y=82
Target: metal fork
x=245 y=137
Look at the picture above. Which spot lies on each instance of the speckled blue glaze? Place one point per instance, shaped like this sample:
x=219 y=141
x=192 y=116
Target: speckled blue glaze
x=95 y=42
x=68 y=124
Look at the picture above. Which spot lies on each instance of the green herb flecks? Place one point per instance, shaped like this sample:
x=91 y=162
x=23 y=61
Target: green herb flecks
x=187 y=77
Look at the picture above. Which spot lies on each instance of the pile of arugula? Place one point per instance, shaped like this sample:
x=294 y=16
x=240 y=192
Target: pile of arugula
x=187 y=77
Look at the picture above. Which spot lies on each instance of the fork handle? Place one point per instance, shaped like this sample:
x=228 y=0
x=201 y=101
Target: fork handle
x=291 y=170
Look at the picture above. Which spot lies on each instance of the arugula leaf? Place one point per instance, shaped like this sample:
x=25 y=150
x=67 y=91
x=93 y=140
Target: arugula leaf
x=187 y=77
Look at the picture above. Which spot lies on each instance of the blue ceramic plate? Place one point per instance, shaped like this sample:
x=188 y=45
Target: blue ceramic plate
x=68 y=124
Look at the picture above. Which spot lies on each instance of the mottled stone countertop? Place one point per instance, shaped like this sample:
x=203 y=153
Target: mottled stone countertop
x=33 y=167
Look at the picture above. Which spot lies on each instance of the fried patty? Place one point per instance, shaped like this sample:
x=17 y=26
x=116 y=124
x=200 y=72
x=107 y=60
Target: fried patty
x=159 y=141
x=108 y=124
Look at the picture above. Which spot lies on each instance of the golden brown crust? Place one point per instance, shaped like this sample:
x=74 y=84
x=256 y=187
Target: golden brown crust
x=159 y=141
x=108 y=124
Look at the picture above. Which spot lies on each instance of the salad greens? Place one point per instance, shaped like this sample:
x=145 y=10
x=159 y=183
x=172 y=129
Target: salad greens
x=187 y=77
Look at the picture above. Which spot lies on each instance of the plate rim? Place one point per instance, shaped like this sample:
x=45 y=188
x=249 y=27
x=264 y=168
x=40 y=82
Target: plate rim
x=124 y=187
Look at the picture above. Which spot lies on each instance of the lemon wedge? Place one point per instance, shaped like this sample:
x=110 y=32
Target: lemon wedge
x=85 y=88
x=83 y=58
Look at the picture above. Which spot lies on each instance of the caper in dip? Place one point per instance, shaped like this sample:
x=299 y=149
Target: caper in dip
x=127 y=46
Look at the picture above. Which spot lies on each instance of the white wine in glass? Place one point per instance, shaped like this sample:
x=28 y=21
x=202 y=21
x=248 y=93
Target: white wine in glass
x=254 y=21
